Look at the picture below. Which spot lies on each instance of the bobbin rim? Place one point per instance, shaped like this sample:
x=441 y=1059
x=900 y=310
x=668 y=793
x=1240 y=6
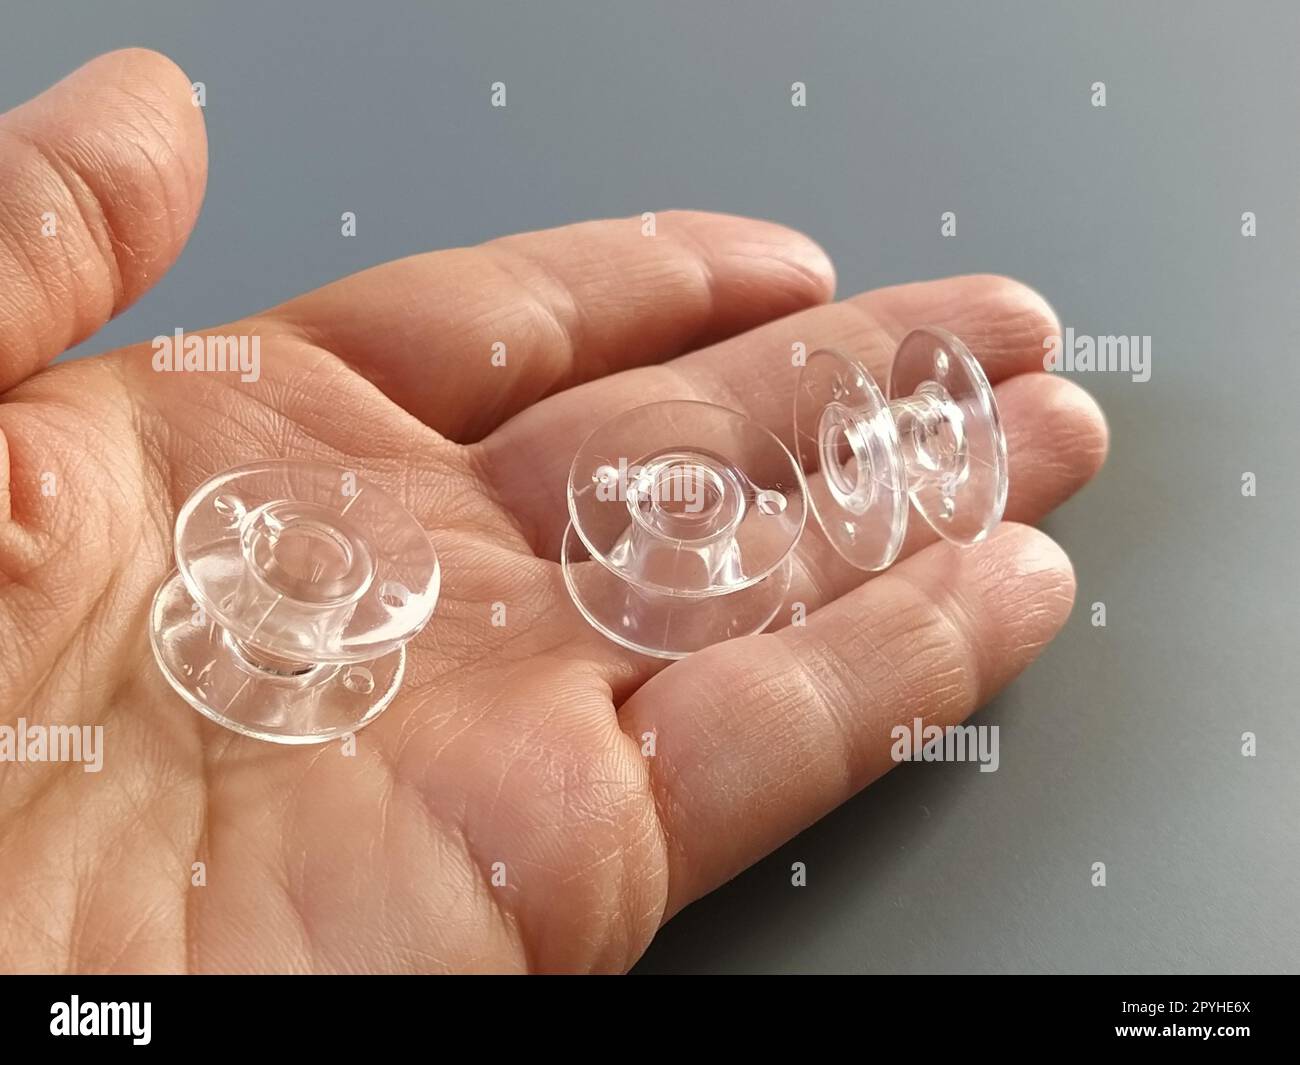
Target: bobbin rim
x=418 y=567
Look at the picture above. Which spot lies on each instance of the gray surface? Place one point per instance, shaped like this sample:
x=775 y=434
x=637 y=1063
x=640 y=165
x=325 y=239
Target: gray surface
x=1121 y=744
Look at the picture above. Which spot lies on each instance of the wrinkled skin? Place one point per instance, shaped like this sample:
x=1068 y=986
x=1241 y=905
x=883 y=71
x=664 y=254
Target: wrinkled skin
x=519 y=744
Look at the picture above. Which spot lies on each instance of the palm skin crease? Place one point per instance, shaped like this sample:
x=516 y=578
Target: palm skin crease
x=519 y=744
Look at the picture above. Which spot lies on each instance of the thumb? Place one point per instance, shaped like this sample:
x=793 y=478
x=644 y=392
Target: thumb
x=101 y=179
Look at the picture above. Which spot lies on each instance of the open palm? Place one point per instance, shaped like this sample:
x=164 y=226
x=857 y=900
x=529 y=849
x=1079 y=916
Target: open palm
x=535 y=797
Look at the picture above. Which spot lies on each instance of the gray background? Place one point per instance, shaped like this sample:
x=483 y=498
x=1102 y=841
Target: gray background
x=1121 y=744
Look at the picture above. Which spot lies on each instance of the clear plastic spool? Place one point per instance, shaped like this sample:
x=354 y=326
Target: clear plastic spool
x=296 y=589
x=937 y=440
x=683 y=518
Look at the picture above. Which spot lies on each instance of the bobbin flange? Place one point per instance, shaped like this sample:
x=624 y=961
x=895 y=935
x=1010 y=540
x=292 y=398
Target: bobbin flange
x=937 y=440
x=683 y=516
x=297 y=586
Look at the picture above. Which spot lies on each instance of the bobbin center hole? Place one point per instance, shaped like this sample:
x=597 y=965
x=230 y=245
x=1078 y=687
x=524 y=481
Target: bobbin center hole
x=932 y=427
x=846 y=456
x=686 y=496
x=306 y=552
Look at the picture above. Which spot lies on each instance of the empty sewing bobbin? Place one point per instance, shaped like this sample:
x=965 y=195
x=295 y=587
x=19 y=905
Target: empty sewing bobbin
x=937 y=440
x=297 y=586
x=683 y=516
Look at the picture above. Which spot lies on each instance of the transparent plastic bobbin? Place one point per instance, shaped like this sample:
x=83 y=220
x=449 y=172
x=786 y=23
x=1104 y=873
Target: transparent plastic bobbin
x=683 y=517
x=937 y=440
x=297 y=586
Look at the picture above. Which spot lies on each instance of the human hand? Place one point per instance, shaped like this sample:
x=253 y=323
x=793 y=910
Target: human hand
x=520 y=744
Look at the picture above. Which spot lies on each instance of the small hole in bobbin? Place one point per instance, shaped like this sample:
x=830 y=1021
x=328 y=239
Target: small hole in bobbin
x=231 y=509
x=394 y=595
x=770 y=502
x=940 y=361
x=359 y=680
